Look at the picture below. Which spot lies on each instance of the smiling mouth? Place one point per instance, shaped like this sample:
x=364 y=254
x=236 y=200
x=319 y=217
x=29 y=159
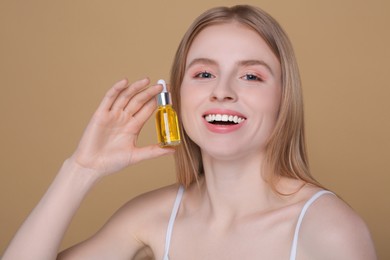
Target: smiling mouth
x=224 y=119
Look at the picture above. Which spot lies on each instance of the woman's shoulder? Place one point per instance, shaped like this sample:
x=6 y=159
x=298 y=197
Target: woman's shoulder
x=332 y=229
x=155 y=203
x=146 y=216
x=138 y=226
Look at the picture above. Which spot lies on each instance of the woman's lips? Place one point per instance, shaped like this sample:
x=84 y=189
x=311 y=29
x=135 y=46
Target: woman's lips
x=223 y=121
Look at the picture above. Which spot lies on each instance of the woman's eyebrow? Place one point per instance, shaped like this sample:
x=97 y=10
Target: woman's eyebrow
x=256 y=62
x=204 y=61
x=242 y=63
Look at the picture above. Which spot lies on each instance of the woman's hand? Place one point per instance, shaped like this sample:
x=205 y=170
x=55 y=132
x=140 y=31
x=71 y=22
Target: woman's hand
x=109 y=142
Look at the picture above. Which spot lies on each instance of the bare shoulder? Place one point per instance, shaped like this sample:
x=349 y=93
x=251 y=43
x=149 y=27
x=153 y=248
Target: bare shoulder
x=148 y=211
x=331 y=229
x=137 y=227
x=152 y=200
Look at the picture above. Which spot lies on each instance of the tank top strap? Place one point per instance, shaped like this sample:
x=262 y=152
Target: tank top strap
x=294 y=246
x=171 y=222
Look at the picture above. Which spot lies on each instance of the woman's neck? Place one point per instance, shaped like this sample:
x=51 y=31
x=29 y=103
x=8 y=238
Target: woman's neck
x=235 y=188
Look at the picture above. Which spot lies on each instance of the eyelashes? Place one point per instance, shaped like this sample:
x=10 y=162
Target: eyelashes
x=204 y=75
x=252 y=77
x=248 y=76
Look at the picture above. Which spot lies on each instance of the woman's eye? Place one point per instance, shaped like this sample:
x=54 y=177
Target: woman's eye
x=252 y=77
x=204 y=75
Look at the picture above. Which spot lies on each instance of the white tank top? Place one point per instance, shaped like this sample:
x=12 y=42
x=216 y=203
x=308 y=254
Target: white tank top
x=293 y=252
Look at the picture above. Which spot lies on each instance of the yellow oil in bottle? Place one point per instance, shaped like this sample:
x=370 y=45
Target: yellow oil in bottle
x=167 y=126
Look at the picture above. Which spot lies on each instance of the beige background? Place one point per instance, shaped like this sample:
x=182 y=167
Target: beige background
x=57 y=58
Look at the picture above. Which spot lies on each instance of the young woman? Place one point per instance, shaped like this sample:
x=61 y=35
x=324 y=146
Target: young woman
x=244 y=188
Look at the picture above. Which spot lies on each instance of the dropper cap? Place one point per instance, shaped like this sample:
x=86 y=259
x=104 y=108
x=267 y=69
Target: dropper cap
x=164 y=98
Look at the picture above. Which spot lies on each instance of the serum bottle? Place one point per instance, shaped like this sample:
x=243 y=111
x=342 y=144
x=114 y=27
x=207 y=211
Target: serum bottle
x=167 y=125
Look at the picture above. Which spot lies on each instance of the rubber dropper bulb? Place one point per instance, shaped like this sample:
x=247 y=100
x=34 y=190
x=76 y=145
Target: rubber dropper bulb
x=163 y=83
x=164 y=98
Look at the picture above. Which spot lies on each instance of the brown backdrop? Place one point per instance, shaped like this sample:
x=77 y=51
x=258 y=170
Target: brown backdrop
x=57 y=58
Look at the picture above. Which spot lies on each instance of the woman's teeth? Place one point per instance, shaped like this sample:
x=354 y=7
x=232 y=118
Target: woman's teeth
x=220 y=118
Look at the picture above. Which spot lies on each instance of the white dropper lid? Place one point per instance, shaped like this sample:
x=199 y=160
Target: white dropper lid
x=164 y=98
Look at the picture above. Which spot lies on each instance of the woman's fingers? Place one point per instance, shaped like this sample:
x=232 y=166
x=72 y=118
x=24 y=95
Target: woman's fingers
x=130 y=99
x=139 y=100
x=118 y=96
x=144 y=114
x=127 y=94
x=112 y=94
x=150 y=152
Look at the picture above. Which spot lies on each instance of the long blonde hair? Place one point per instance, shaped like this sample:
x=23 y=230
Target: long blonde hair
x=286 y=150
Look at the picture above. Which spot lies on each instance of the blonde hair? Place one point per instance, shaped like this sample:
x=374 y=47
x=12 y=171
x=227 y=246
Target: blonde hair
x=286 y=149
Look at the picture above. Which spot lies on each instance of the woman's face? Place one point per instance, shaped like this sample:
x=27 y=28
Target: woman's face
x=230 y=94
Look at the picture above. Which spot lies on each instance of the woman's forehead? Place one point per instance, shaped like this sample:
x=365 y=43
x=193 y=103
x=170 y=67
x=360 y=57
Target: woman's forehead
x=231 y=42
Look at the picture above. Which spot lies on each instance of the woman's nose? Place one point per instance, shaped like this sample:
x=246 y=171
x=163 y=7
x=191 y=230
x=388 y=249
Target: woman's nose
x=223 y=91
